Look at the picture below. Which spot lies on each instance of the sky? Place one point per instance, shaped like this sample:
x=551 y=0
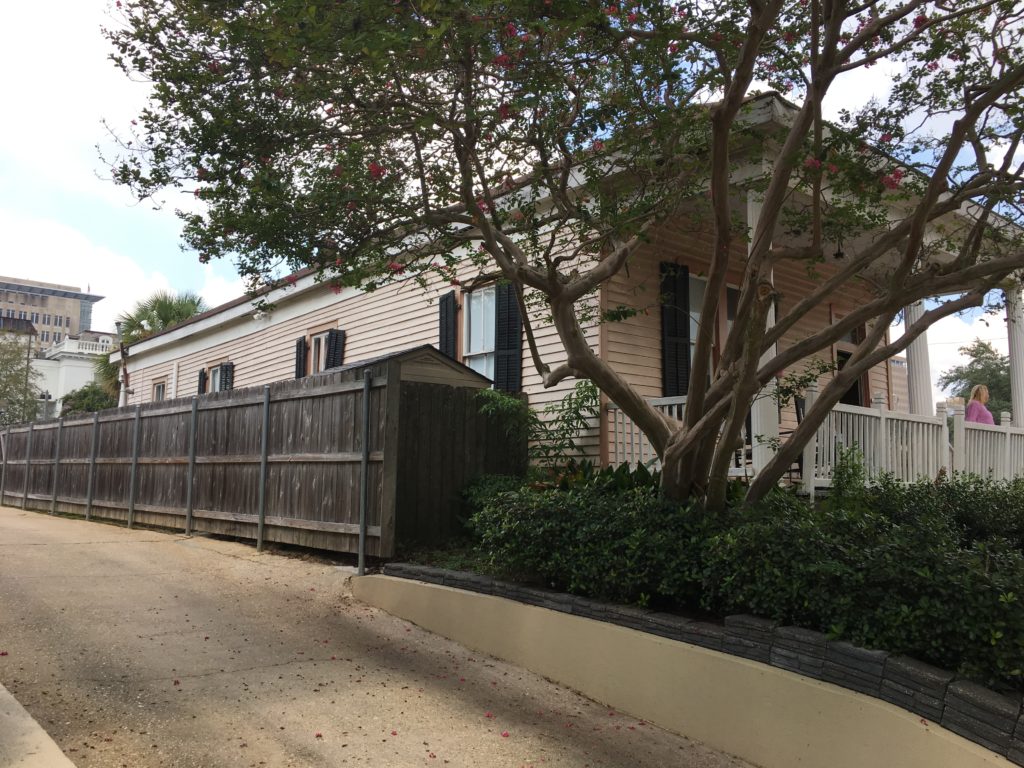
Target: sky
x=63 y=222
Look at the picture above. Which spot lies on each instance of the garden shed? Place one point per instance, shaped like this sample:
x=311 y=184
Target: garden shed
x=286 y=462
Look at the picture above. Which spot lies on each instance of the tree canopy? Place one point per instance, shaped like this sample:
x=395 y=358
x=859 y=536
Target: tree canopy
x=87 y=399
x=545 y=140
x=154 y=314
x=984 y=366
x=19 y=391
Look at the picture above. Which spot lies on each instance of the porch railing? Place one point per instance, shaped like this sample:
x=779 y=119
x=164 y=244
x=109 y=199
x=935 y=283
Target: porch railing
x=905 y=445
x=630 y=446
x=989 y=451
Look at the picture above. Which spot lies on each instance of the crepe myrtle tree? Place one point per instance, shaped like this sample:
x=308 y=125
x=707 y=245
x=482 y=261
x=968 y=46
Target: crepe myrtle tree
x=543 y=140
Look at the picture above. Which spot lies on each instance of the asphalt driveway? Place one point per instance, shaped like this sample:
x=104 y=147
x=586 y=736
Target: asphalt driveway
x=138 y=648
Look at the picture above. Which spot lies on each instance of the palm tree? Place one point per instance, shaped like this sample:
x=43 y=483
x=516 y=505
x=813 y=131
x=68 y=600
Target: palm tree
x=148 y=317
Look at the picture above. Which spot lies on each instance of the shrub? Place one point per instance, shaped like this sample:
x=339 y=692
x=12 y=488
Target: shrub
x=907 y=586
x=934 y=571
x=594 y=539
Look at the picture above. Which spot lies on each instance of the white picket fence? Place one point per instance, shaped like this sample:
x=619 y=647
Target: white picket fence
x=905 y=445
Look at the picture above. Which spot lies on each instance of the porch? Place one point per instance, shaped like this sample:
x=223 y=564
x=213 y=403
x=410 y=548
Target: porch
x=907 y=446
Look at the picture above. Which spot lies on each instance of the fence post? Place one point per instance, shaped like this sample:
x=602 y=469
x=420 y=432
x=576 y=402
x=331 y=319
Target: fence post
x=91 y=482
x=1004 y=425
x=28 y=465
x=882 y=437
x=364 y=468
x=191 y=473
x=3 y=470
x=56 y=466
x=810 y=455
x=135 y=465
x=943 y=438
x=959 y=437
x=264 y=443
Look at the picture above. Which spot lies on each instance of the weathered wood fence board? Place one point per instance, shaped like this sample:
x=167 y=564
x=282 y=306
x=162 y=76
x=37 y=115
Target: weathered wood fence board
x=426 y=441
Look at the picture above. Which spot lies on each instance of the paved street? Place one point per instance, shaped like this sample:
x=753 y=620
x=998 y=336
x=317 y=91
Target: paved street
x=137 y=648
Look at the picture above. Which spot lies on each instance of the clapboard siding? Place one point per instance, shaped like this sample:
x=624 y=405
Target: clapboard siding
x=633 y=345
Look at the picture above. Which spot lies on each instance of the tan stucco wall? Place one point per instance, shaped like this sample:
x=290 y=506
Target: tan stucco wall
x=765 y=715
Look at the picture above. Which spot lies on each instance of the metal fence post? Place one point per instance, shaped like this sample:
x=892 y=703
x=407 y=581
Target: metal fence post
x=191 y=474
x=91 y=481
x=56 y=466
x=28 y=466
x=364 y=470
x=135 y=466
x=264 y=446
x=3 y=470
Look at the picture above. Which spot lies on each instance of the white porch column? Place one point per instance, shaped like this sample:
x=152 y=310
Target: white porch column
x=764 y=413
x=919 y=377
x=1015 y=332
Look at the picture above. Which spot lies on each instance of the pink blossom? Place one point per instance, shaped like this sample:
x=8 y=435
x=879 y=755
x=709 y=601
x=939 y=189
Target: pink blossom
x=598 y=145
x=377 y=170
x=503 y=60
x=885 y=137
x=920 y=21
x=335 y=289
x=812 y=162
x=396 y=267
x=291 y=279
x=833 y=168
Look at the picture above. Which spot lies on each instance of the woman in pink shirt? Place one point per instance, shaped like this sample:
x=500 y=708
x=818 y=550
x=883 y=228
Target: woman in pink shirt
x=976 y=410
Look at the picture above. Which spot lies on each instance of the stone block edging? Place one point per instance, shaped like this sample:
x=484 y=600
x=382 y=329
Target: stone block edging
x=985 y=717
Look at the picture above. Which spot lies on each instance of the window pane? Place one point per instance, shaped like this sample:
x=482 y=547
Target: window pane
x=696 y=304
x=488 y=311
x=483 y=364
x=479 y=331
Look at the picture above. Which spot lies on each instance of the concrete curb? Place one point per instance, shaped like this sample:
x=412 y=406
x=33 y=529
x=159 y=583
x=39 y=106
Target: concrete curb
x=23 y=742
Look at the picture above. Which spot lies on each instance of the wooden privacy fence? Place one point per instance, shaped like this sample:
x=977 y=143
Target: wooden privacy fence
x=287 y=462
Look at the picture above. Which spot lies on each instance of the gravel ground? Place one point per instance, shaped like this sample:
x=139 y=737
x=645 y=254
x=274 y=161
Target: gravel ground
x=138 y=648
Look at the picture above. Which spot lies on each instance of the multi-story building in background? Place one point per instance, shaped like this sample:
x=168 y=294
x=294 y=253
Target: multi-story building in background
x=56 y=311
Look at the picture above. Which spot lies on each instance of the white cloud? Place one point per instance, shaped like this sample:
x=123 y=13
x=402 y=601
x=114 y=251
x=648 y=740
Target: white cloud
x=58 y=253
x=60 y=86
x=219 y=290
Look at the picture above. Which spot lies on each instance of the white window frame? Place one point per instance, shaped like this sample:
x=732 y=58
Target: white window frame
x=159 y=390
x=478 y=329
x=213 y=378
x=318 y=351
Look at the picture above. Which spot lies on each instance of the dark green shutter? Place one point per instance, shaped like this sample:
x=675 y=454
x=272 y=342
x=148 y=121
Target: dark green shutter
x=301 y=351
x=335 y=348
x=227 y=376
x=202 y=381
x=508 y=340
x=675 y=329
x=446 y=331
